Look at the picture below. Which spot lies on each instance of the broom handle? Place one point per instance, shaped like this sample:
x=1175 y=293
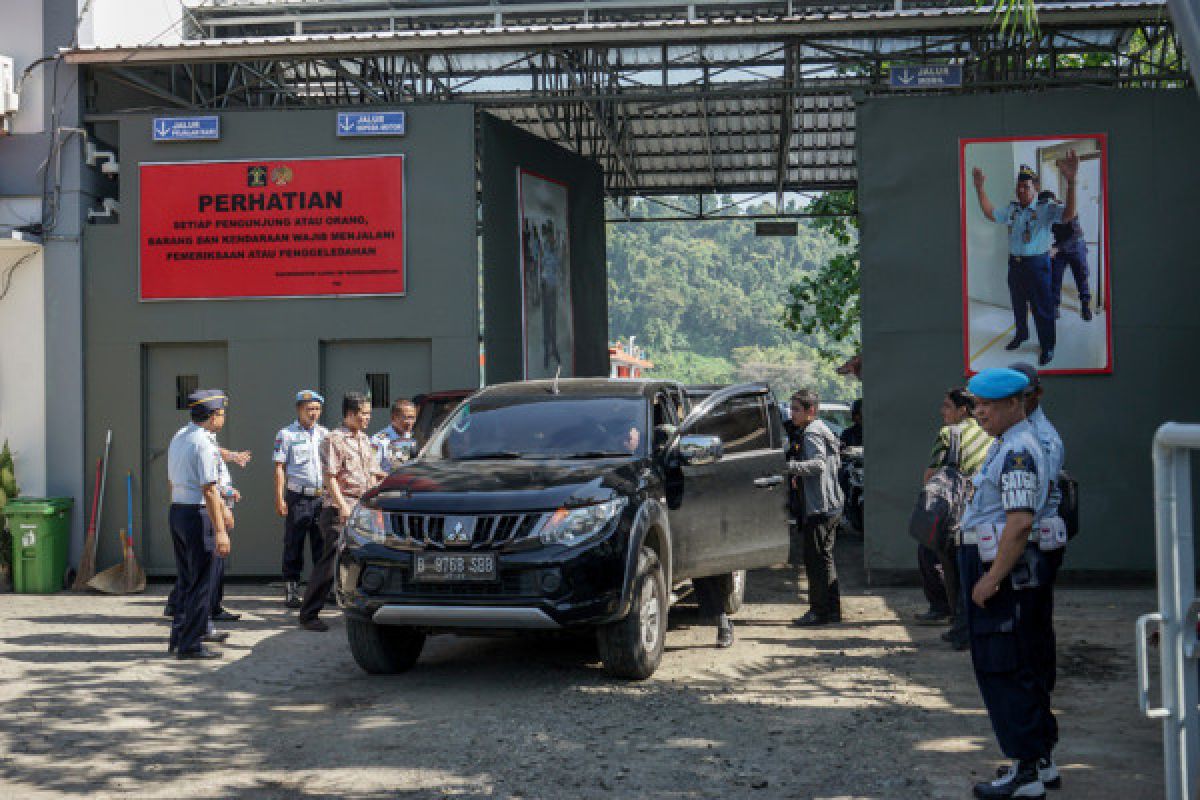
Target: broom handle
x=95 y=499
x=129 y=504
x=103 y=479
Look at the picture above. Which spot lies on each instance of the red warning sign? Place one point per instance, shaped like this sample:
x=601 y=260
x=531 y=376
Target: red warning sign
x=272 y=228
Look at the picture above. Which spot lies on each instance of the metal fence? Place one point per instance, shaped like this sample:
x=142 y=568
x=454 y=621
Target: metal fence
x=1178 y=612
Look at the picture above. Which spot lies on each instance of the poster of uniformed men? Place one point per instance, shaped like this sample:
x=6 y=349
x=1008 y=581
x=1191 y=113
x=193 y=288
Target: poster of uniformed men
x=1035 y=253
x=545 y=276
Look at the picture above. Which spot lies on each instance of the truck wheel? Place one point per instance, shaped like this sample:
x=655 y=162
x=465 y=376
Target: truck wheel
x=733 y=591
x=633 y=647
x=383 y=649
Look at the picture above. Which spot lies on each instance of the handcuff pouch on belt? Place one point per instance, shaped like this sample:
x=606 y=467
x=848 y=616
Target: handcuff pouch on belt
x=1052 y=534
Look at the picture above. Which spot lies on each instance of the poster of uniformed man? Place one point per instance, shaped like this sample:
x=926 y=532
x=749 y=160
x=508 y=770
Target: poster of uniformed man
x=545 y=276
x=1035 y=253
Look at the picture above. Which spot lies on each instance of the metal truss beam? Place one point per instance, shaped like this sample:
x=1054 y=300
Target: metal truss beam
x=670 y=107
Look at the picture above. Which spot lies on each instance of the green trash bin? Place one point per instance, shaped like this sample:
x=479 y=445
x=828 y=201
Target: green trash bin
x=41 y=531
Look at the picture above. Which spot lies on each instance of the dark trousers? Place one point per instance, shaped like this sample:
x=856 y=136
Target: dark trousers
x=302 y=521
x=958 y=609
x=1076 y=259
x=1029 y=290
x=217 y=593
x=932 y=583
x=320 y=580
x=195 y=551
x=708 y=594
x=818 y=534
x=1009 y=644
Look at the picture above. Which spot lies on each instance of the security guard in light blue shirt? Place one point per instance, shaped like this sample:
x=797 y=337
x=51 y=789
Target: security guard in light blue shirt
x=1005 y=578
x=197 y=521
x=298 y=493
x=1030 y=234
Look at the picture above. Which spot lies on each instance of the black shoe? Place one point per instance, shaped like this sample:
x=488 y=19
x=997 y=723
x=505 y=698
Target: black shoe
x=960 y=642
x=204 y=653
x=1019 y=781
x=215 y=637
x=291 y=592
x=225 y=615
x=315 y=624
x=948 y=636
x=1047 y=773
x=812 y=619
x=1016 y=342
x=1045 y=358
x=933 y=617
x=1085 y=311
x=169 y=610
x=724 y=632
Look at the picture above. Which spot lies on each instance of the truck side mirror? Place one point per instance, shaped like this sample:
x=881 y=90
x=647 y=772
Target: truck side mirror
x=697 y=450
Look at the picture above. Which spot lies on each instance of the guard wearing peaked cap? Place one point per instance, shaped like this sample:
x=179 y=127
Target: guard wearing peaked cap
x=1030 y=225
x=298 y=495
x=198 y=522
x=1003 y=572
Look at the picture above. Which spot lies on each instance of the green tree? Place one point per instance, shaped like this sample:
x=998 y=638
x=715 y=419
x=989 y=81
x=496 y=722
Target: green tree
x=826 y=300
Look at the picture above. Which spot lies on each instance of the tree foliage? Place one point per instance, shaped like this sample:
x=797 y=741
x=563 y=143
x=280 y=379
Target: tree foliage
x=706 y=299
x=826 y=301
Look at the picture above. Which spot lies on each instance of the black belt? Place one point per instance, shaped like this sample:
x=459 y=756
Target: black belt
x=187 y=505
x=1028 y=258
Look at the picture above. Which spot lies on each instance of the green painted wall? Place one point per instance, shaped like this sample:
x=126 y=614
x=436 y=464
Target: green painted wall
x=912 y=294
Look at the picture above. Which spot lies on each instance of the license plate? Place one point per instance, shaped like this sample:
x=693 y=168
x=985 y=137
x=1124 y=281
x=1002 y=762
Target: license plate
x=447 y=568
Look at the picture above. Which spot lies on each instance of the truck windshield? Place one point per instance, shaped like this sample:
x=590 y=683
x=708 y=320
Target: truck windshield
x=541 y=427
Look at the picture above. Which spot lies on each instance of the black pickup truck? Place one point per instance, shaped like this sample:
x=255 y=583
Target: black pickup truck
x=548 y=505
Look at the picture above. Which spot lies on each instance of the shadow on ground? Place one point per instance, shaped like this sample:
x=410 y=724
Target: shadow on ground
x=870 y=708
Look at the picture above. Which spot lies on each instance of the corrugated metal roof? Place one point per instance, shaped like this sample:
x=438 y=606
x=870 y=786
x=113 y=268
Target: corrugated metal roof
x=511 y=37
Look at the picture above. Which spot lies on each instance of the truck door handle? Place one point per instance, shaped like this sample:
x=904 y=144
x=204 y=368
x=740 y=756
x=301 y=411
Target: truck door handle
x=768 y=482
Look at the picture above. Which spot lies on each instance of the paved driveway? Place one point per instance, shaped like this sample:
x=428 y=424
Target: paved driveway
x=875 y=707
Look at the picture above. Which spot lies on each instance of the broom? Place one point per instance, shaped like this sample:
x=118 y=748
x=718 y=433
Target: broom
x=87 y=561
x=126 y=577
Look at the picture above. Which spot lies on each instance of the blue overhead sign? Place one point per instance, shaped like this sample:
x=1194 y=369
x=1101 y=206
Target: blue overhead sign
x=370 y=123
x=939 y=77
x=186 y=129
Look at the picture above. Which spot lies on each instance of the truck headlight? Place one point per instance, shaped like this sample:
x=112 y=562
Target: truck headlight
x=367 y=525
x=575 y=525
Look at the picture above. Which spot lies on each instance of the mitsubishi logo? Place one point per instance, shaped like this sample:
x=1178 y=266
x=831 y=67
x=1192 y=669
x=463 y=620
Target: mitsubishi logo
x=459 y=530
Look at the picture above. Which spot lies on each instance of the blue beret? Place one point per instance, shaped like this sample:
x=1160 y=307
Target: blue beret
x=208 y=399
x=997 y=384
x=307 y=396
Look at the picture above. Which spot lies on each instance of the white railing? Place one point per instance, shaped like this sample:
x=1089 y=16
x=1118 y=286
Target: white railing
x=1177 y=613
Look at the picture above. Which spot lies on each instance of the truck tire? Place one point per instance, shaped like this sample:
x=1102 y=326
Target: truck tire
x=383 y=649
x=633 y=647
x=733 y=591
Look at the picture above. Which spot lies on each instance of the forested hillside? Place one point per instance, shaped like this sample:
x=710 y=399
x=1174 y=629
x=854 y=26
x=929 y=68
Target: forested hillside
x=705 y=299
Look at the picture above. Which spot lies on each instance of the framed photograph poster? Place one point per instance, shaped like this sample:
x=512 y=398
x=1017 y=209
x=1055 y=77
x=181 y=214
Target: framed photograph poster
x=1036 y=271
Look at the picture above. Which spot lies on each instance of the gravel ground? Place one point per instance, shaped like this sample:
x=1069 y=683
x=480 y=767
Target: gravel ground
x=873 y=708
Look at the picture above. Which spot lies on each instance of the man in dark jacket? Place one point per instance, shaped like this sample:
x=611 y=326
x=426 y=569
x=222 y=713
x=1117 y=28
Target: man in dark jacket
x=813 y=461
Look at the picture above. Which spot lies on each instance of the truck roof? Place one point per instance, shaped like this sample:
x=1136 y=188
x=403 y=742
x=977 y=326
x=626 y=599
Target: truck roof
x=577 y=387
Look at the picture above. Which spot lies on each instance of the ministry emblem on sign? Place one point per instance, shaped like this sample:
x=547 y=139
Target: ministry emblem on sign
x=256 y=176
x=458 y=531
x=281 y=175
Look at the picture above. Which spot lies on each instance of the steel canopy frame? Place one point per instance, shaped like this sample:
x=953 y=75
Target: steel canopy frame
x=707 y=105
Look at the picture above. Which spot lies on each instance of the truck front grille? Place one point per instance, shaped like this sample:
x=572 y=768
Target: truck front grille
x=491 y=530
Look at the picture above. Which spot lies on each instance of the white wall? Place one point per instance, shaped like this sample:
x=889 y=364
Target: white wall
x=21 y=40
x=987 y=242
x=124 y=22
x=23 y=366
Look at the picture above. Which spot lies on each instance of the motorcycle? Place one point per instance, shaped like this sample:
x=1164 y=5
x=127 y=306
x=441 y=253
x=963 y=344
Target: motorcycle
x=851 y=478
